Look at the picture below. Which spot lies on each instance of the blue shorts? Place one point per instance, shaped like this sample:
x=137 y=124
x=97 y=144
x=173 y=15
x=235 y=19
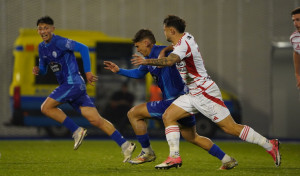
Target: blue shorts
x=157 y=108
x=74 y=94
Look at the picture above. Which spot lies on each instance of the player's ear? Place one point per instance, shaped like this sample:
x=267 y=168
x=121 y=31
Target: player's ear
x=147 y=43
x=172 y=30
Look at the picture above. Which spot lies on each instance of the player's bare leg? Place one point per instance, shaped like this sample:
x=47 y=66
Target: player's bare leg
x=137 y=116
x=170 y=117
x=92 y=115
x=49 y=108
x=246 y=133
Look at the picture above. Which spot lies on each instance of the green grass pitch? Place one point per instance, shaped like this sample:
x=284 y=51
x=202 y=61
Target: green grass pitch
x=103 y=157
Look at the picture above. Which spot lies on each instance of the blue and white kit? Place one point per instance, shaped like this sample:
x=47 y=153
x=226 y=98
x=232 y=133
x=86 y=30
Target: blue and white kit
x=58 y=54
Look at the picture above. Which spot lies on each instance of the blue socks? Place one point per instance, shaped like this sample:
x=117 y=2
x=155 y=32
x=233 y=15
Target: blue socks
x=70 y=124
x=143 y=140
x=216 y=151
x=118 y=138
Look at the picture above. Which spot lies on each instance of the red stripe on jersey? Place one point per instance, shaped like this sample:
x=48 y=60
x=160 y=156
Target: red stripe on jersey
x=190 y=63
x=214 y=99
x=202 y=90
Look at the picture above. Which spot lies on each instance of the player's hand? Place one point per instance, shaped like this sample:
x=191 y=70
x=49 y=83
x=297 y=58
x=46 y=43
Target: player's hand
x=138 y=60
x=162 y=53
x=35 y=70
x=91 y=78
x=111 y=66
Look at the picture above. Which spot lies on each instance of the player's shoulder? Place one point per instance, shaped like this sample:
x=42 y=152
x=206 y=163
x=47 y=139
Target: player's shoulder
x=155 y=51
x=158 y=47
x=184 y=39
x=295 y=34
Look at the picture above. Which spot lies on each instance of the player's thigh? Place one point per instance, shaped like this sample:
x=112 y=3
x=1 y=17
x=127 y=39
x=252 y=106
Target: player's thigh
x=49 y=103
x=139 y=112
x=174 y=113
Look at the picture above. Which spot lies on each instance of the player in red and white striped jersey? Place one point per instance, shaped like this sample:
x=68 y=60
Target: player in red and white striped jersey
x=295 y=41
x=204 y=95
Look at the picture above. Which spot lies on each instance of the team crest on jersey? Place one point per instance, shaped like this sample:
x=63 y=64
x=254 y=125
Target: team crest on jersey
x=54 y=54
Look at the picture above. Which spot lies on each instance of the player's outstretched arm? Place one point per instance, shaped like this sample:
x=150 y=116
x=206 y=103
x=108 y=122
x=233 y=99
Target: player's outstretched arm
x=164 y=61
x=111 y=66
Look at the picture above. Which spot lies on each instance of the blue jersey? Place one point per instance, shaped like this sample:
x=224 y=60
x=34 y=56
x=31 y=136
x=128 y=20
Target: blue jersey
x=59 y=55
x=168 y=79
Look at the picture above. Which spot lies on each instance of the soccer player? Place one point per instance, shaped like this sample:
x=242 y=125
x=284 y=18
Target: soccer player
x=58 y=53
x=295 y=41
x=204 y=95
x=144 y=42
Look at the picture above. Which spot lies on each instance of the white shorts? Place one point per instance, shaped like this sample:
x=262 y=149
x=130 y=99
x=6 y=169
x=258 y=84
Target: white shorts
x=209 y=103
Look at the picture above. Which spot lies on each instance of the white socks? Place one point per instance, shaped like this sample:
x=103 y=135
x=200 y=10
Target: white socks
x=173 y=137
x=226 y=158
x=249 y=135
x=148 y=150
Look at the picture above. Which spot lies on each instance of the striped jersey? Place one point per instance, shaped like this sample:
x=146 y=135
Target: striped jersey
x=191 y=67
x=295 y=41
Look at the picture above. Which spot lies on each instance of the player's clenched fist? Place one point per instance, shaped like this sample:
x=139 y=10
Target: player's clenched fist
x=35 y=70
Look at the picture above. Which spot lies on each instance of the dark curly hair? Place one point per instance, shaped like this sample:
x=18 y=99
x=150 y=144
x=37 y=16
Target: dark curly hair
x=176 y=22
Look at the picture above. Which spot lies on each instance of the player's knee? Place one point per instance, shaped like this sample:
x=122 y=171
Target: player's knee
x=44 y=109
x=166 y=117
x=95 y=121
x=134 y=114
x=131 y=113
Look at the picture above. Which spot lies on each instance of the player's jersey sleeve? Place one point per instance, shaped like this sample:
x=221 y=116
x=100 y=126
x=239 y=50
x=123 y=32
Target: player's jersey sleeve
x=68 y=44
x=65 y=44
x=181 y=49
x=134 y=73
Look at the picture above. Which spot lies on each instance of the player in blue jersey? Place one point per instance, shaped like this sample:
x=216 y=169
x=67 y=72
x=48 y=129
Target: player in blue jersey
x=144 y=42
x=57 y=53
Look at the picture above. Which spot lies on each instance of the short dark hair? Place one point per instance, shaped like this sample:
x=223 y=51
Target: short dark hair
x=295 y=11
x=143 y=34
x=176 y=22
x=46 y=20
